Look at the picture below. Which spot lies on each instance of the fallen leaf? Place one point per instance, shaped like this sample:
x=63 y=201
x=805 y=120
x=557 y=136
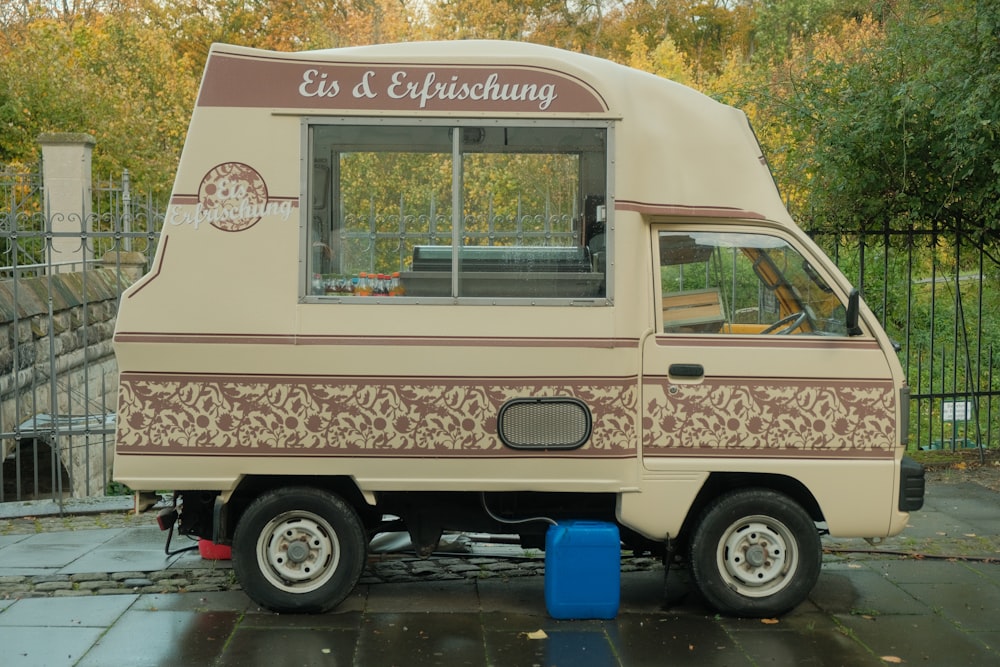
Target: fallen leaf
x=769 y=621
x=537 y=634
x=893 y=659
x=970 y=534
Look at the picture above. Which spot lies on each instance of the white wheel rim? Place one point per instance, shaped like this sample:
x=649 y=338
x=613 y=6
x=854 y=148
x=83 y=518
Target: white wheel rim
x=757 y=556
x=298 y=551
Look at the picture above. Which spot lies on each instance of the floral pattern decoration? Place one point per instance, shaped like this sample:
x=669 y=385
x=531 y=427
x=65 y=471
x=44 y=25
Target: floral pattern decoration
x=351 y=416
x=772 y=417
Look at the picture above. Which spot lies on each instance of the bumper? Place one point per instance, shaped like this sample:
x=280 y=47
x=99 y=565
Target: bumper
x=911 y=485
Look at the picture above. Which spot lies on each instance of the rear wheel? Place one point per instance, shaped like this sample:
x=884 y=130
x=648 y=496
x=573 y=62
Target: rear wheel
x=756 y=553
x=299 y=550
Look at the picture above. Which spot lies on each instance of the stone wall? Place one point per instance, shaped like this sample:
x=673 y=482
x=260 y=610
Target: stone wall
x=61 y=388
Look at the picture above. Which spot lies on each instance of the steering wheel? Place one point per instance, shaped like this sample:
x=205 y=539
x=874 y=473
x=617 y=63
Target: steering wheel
x=792 y=321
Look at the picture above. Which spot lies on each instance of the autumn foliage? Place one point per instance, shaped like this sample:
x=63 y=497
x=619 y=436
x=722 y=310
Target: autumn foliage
x=871 y=112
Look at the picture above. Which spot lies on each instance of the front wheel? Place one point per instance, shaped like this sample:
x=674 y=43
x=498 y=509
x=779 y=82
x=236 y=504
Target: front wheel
x=298 y=550
x=755 y=553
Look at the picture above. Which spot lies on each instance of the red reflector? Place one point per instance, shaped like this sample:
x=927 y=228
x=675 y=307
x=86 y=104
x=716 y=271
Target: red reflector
x=166 y=518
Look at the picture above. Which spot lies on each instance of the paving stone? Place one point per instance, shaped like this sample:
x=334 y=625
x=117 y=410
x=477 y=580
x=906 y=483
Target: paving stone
x=425 y=568
x=95 y=585
x=204 y=588
x=46 y=586
x=137 y=582
x=175 y=583
x=13 y=589
x=501 y=566
x=461 y=568
x=157 y=588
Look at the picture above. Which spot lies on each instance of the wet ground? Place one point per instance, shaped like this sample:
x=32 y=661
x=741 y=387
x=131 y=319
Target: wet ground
x=928 y=597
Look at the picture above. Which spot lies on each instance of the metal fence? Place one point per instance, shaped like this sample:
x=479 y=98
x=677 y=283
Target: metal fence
x=57 y=399
x=934 y=291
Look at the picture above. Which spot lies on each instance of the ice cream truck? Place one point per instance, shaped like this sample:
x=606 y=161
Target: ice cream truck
x=484 y=286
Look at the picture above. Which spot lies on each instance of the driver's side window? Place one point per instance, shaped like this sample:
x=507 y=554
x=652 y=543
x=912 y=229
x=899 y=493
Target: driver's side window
x=742 y=283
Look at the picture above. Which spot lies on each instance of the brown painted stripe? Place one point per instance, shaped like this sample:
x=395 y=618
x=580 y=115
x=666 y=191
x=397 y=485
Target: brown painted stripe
x=276 y=378
x=649 y=208
x=401 y=341
x=690 y=452
x=156 y=271
x=758 y=341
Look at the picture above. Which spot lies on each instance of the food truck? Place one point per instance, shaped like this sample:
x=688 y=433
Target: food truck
x=486 y=286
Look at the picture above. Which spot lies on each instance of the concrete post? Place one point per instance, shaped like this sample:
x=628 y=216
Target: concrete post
x=132 y=264
x=66 y=176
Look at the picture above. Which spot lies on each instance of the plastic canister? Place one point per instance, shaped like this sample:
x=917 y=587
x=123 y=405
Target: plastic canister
x=582 y=570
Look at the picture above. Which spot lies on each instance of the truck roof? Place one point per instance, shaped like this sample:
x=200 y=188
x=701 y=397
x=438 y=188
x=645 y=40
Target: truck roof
x=677 y=151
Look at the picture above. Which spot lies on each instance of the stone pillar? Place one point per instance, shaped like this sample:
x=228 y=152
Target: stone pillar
x=66 y=176
x=132 y=264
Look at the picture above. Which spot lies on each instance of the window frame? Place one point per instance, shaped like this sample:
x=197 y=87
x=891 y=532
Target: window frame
x=688 y=227
x=307 y=188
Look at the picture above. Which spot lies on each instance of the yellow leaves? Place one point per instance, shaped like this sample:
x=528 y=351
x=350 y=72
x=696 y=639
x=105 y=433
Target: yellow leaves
x=664 y=60
x=770 y=621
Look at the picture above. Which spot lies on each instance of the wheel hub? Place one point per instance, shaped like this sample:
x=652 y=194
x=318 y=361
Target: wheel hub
x=298 y=551
x=755 y=555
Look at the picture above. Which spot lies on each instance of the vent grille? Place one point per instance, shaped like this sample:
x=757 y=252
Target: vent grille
x=544 y=423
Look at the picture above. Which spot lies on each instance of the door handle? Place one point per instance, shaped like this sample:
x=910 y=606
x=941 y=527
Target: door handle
x=687 y=370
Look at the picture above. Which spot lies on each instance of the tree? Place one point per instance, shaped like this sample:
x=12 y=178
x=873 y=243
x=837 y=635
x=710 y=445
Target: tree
x=708 y=31
x=894 y=122
x=777 y=24
x=663 y=60
x=111 y=77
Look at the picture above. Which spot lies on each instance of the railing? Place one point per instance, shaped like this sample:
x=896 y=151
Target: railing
x=932 y=291
x=21 y=271
x=58 y=376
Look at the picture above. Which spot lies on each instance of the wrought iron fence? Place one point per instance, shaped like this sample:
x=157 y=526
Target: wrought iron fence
x=935 y=292
x=58 y=377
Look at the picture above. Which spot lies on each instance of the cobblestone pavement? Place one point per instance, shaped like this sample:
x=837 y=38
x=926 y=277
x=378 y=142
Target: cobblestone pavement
x=218 y=576
x=402 y=567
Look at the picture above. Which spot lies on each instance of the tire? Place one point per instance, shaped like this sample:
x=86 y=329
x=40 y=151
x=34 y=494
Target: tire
x=299 y=550
x=755 y=553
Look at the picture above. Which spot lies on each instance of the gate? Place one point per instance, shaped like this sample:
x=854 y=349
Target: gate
x=61 y=275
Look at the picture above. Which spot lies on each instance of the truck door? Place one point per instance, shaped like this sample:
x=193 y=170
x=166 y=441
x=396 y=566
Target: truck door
x=752 y=358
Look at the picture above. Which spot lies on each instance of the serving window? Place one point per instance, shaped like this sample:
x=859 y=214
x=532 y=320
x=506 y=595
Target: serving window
x=470 y=212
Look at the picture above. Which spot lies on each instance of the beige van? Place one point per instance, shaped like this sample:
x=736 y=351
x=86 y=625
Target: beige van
x=482 y=286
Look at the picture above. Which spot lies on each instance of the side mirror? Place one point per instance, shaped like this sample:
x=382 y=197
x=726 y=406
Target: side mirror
x=853 y=308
